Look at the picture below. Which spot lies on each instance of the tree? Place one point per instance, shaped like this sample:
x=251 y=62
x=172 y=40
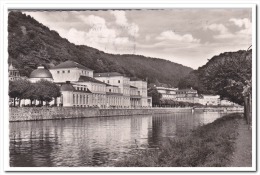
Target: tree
x=156 y=96
x=46 y=91
x=31 y=93
x=17 y=89
x=228 y=74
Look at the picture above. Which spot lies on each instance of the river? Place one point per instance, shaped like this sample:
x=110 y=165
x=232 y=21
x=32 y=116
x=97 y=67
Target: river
x=96 y=141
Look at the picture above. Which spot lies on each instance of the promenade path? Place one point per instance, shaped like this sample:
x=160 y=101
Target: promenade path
x=242 y=156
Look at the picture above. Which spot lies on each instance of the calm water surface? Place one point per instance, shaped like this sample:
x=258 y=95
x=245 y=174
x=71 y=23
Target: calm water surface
x=95 y=141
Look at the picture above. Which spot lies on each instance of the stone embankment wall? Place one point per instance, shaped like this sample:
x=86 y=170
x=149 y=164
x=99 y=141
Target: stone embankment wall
x=47 y=113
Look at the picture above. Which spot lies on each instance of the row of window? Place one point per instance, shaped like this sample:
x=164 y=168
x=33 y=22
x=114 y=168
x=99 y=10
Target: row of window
x=68 y=71
x=109 y=81
x=63 y=71
x=80 y=99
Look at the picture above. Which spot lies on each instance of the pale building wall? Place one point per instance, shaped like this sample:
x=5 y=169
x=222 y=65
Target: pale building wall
x=213 y=100
x=142 y=87
x=69 y=74
x=34 y=80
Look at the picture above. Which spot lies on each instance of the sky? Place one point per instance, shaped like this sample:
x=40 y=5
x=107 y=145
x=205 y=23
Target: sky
x=186 y=36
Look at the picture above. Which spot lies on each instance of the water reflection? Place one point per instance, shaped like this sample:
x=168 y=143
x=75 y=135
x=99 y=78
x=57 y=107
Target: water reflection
x=95 y=141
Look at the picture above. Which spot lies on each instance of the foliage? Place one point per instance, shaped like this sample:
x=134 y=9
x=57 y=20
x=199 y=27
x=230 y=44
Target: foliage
x=18 y=88
x=226 y=74
x=32 y=44
x=42 y=90
x=211 y=145
x=46 y=90
x=156 y=96
x=172 y=103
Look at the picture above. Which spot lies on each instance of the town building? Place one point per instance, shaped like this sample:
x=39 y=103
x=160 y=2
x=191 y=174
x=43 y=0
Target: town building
x=13 y=73
x=80 y=87
x=187 y=95
x=167 y=93
x=209 y=100
x=226 y=102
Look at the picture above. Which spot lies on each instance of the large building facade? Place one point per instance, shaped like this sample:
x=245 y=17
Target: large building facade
x=80 y=87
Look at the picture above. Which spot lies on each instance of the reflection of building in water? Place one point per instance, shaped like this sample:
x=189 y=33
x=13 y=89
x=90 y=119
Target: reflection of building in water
x=139 y=129
x=163 y=127
x=185 y=123
x=33 y=144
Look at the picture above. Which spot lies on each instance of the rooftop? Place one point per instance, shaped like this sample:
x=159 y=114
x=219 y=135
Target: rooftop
x=135 y=79
x=70 y=64
x=11 y=67
x=108 y=74
x=41 y=72
x=90 y=79
x=133 y=87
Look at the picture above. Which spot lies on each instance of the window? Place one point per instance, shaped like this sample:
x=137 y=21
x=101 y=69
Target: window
x=58 y=72
x=118 y=81
x=107 y=81
x=63 y=71
x=109 y=90
x=68 y=71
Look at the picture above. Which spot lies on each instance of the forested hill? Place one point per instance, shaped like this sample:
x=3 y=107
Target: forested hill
x=31 y=44
x=226 y=74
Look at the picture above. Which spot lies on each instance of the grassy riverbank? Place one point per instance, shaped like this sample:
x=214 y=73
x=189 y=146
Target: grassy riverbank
x=211 y=145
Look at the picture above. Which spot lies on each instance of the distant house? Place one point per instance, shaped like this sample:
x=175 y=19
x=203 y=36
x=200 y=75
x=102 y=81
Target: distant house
x=209 y=100
x=13 y=73
x=226 y=102
x=167 y=93
x=187 y=95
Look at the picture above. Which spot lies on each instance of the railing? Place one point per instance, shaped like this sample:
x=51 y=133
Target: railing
x=248 y=109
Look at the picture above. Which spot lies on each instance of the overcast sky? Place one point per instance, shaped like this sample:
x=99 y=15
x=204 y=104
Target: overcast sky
x=185 y=36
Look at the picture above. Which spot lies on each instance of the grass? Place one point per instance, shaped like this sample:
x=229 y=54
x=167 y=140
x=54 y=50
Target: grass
x=211 y=145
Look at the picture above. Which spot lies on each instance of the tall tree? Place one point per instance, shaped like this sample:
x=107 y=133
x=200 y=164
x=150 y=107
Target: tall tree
x=156 y=96
x=17 y=89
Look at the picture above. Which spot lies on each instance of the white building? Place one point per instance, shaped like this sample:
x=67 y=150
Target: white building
x=167 y=93
x=209 y=100
x=225 y=102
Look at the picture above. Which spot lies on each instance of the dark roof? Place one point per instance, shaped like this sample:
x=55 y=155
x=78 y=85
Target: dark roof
x=133 y=87
x=186 y=90
x=67 y=87
x=41 y=73
x=70 y=64
x=90 y=79
x=113 y=93
x=135 y=79
x=111 y=85
x=108 y=74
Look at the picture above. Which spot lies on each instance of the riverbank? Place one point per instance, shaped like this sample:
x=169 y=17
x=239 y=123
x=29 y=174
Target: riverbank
x=54 y=113
x=211 y=145
x=57 y=113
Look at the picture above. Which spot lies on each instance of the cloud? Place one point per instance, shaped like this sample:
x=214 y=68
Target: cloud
x=222 y=30
x=120 y=17
x=244 y=23
x=121 y=20
x=218 y=28
x=241 y=22
x=170 y=35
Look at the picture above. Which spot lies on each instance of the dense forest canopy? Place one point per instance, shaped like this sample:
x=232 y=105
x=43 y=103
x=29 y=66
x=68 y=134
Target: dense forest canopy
x=226 y=74
x=32 y=44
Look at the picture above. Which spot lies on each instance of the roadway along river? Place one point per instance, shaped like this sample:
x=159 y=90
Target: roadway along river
x=95 y=141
